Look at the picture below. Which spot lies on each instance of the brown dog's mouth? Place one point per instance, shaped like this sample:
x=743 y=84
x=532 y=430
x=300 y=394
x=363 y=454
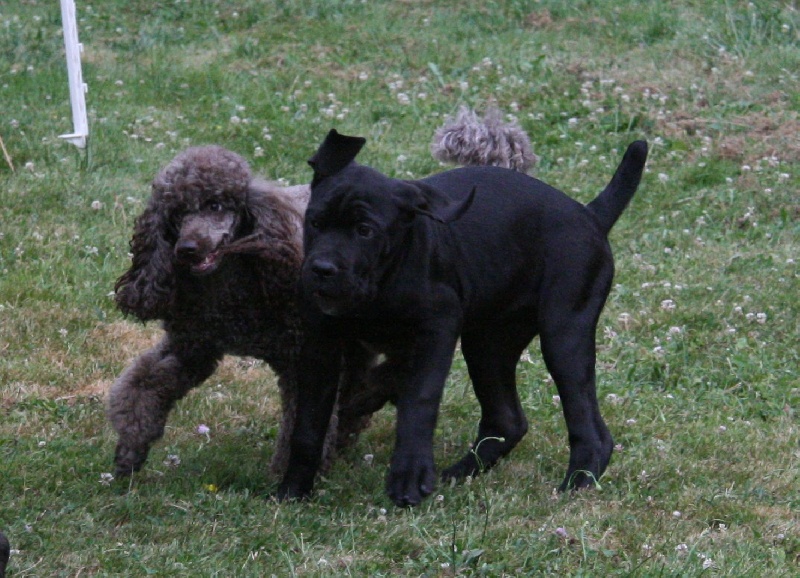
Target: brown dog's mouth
x=206 y=266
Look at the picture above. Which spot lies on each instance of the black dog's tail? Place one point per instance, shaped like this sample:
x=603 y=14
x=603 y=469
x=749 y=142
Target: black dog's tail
x=609 y=204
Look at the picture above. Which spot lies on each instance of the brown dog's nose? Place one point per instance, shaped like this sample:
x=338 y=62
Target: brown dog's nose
x=323 y=268
x=186 y=249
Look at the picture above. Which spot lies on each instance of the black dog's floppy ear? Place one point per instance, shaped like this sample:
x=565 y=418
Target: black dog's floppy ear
x=336 y=152
x=428 y=201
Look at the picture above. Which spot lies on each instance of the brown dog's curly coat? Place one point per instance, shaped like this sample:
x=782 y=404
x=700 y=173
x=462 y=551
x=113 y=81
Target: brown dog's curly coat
x=215 y=257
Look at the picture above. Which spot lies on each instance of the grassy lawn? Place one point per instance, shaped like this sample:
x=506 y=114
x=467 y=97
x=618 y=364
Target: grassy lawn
x=699 y=345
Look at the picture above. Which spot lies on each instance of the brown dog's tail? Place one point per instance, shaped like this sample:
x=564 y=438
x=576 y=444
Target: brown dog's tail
x=468 y=140
x=609 y=204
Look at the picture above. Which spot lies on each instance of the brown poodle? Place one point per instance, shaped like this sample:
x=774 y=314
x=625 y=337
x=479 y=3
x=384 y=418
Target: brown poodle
x=215 y=257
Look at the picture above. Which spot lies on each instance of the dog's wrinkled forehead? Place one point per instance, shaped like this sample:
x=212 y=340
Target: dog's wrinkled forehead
x=355 y=189
x=199 y=174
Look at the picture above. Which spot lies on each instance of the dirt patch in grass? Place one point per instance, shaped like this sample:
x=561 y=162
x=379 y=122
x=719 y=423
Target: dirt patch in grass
x=127 y=338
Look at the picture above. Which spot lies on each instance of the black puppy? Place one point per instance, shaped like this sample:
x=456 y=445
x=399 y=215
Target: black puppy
x=486 y=254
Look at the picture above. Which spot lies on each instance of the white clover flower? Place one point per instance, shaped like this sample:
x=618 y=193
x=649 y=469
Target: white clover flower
x=172 y=461
x=663 y=177
x=203 y=429
x=368 y=459
x=106 y=478
x=668 y=305
x=403 y=98
x=708 y=563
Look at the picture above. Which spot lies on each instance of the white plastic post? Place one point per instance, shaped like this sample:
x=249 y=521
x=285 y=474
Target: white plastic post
x=77 y=89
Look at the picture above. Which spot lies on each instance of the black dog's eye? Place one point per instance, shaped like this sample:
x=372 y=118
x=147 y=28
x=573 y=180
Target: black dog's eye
x=314 y=223
x=364 y=230
x=214 y=206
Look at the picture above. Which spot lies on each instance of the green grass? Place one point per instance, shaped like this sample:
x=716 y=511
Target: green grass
x=698 y=345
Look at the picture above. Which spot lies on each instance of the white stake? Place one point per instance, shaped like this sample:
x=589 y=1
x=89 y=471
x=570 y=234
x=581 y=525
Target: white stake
x=77 y=88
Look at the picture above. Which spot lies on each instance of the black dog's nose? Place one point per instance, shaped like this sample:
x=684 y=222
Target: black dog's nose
x=186 y=248
x=324 y=268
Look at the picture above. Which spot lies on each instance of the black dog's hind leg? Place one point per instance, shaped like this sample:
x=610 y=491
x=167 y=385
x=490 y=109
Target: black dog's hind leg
x=568 y=347
x=492 y=355
x=142 y=397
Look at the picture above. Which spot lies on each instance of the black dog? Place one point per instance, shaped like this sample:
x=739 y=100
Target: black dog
x=489 y=255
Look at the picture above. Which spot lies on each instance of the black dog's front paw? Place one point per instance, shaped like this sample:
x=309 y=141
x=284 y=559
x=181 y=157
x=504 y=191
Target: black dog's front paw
x=411 y=478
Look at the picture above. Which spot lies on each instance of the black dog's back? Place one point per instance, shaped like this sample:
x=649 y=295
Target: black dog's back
x=499 y=189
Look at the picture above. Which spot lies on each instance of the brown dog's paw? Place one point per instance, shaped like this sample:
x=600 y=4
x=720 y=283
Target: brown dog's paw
x=128 y=459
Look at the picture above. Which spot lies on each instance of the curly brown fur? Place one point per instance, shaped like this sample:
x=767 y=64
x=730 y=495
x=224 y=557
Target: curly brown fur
x=469 y=140
x=215 y=257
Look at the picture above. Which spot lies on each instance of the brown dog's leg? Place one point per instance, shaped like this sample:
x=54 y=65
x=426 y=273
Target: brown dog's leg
x=142 y=397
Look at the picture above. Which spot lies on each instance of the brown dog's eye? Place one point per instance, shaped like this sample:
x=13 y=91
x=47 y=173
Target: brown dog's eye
x=364 y=230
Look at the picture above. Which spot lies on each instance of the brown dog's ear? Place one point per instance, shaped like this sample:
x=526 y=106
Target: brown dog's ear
x=336 y=152
x=423 y=199
x=145 y=289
